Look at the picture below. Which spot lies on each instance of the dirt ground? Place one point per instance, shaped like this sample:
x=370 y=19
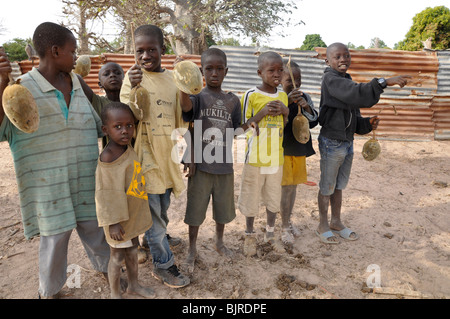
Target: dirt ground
x=399 y=205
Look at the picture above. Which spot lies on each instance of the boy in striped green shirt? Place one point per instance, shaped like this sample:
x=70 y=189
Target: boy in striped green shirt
x=55 y=165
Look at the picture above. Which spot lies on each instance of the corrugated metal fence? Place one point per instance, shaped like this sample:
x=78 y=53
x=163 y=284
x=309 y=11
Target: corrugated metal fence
x=242 y=69
x=126 y=61
x=444 y=73
x=423 y=106
x=423 y=109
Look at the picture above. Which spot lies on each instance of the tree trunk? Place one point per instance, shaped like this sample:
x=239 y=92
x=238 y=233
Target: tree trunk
x=187 y=39
x=128 y=46
x=82 y=32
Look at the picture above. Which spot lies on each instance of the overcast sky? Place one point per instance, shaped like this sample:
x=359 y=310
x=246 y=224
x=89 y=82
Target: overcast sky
x=345 y=21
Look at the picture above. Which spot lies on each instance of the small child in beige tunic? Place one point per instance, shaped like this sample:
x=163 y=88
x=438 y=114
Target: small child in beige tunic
x=121 y=199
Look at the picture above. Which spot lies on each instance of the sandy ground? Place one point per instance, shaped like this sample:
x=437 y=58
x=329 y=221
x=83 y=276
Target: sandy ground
x=399 y=204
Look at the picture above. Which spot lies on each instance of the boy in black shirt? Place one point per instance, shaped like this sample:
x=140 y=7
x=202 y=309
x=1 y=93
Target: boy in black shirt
x=295 y=153
x=340 y=118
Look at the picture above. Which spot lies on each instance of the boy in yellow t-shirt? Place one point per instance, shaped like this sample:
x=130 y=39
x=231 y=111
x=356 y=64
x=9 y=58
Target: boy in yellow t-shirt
x=262 y=172
x=154 y=145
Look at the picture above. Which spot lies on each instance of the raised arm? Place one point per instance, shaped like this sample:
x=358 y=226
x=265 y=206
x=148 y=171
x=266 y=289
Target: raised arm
x=135 y=75
x=86 y=89
x=185 y=102
x=400 y=80
x=349 y=93
x=5 y=70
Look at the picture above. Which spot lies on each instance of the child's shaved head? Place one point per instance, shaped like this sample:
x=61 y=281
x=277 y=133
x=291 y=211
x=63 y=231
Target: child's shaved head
x=266 y=56
x=152 y=31
x=216 y=52
x=334 y=46
x=48 y=34
x=113 y=106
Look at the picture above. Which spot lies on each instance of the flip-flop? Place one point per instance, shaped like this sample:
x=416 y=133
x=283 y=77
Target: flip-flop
x=309 y=183
x=325 y=236
x=345 y=233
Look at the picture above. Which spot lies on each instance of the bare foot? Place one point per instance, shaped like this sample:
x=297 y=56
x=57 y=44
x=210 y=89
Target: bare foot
x=287 y=237
x=276 y=244
x=123 y=282
x=116 y=296
x=55 y=296
x=145 y=292
x=295 y=231
x=189 y=263
x=222 y=250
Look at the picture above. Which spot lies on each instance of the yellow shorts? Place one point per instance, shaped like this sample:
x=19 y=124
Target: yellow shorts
x=260 y=185
x=294 y=170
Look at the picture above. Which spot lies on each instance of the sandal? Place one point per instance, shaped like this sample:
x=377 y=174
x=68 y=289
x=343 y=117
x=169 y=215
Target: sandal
x=287 y=237
x=324 y=237
x=345 y=233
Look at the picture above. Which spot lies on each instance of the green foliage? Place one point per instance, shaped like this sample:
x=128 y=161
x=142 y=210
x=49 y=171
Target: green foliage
x=252 y=18
x=15 y=49
x=431 y=23
x=312 y=41
x=229 y=41
x=354 y=47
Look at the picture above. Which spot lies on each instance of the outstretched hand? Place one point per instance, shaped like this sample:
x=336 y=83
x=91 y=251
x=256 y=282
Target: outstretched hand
x=5 y=66
x=5 y=71
x=400 y=80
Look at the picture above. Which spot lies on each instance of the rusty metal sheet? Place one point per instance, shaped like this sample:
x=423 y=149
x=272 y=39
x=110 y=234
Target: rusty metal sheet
x=126 y=61
x=415 y=117
x=412 y=117
x=423 y=66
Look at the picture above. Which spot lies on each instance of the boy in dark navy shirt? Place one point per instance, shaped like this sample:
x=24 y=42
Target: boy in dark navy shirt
x=340 y=118
x=295 y=153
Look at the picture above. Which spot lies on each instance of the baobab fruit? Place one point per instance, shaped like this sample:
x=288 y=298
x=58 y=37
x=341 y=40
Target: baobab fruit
x=300 y=128
x=83 y=65
x=20 y=107
x=187 y=77
x=371 y=149
x=139 y=102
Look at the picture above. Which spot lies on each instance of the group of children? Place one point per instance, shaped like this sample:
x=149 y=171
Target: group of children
x=65 y=183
